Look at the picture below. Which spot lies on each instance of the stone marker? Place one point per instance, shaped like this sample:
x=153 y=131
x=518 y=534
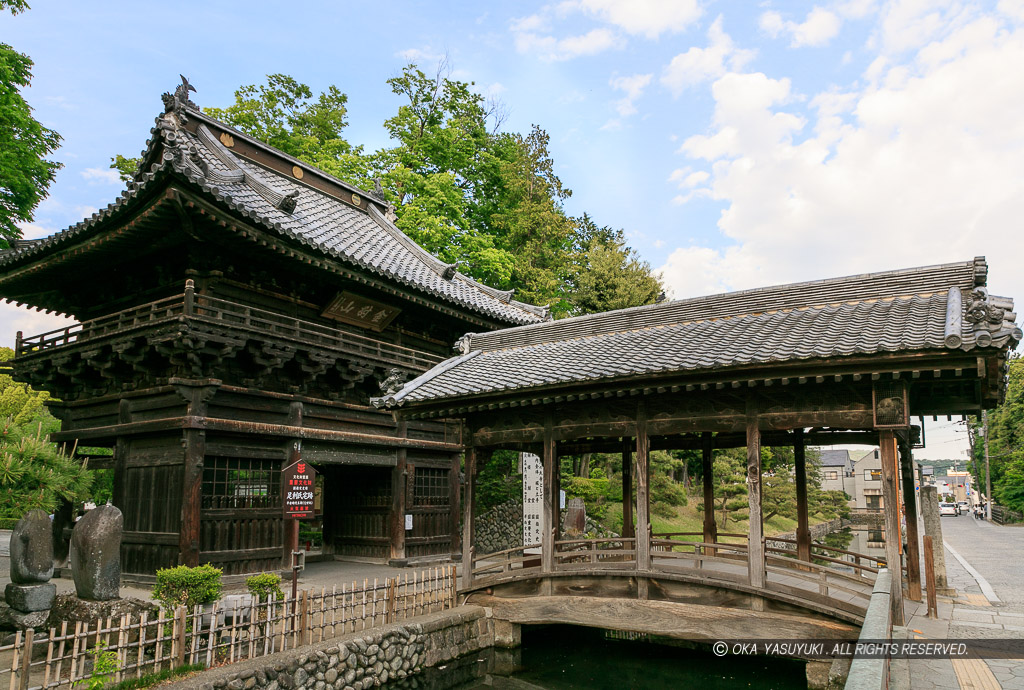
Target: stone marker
x=576 y=516
x=32 y=550
x=96 y=554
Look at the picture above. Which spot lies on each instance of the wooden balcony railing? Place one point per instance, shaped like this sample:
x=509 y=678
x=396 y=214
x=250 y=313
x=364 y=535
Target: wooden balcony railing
x=232 y=315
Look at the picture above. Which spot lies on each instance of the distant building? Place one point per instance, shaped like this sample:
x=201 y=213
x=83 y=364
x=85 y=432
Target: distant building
x=867 y=477
x=836 y=471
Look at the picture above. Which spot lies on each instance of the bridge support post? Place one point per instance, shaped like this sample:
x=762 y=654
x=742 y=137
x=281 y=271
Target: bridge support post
x=468 y=499
x=628 y=531
x=890 y=494
x=708 y=471
x=910 y=510
x=551 y=508
x=755 y=537
x=643 y=506
x=803 y=531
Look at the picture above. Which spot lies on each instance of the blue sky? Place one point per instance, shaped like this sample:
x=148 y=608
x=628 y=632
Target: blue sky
x=738 y=144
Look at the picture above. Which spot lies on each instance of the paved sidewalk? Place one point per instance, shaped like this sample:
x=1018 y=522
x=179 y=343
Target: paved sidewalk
x=985 y=565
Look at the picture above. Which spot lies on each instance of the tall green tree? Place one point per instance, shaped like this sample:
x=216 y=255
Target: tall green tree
x=25 y=172
x=1006 y=443
x=607 y=274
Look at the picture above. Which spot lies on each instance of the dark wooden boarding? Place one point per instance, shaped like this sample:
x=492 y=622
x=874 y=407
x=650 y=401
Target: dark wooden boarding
x=236 y=311
x=847 y=360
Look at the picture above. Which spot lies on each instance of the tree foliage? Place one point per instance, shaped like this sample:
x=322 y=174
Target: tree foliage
x=35 y=473
x=469 y=193
x=1006 y=443
x=25 y=172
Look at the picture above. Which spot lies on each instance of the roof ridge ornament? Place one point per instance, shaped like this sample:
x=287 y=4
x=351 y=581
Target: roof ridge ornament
x=179 y=101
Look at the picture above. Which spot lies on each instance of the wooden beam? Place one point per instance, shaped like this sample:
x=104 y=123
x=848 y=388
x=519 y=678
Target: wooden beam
x=643 y=507
x=708 y=479
x=467 y=518
x=755 y=541
x=803 y=531
x=890 y=494
x=549 y=521
x=910 y=511
x=628 y=530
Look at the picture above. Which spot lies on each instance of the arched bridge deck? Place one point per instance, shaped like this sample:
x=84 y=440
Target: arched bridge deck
x=827 y=596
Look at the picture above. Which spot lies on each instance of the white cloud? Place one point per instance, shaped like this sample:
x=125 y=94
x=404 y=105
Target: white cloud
x=535 y=34
x=820 y=27
x=648 y=18
x=421 y=55
x=85 y=211
x=102 y=175
x=922 y=164
x=698 y=65
x=634 y=87
x=551 y=49
x=28 y=321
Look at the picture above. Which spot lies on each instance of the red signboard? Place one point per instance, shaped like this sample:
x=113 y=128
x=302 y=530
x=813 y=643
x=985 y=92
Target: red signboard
x=299 y=480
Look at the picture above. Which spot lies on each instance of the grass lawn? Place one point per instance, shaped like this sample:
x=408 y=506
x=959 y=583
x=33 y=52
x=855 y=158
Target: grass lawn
x=688 y=519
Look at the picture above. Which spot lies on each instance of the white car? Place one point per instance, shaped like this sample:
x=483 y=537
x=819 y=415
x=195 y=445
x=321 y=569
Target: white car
x=948 y=509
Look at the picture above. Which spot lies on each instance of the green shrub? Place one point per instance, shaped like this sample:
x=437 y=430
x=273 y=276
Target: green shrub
x=264 y=585
x=8 y=523
x=185 y=586
x=663 y=510
x=594 y=493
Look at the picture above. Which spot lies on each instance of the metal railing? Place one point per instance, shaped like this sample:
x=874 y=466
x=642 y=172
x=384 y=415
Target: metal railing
x=237 y=316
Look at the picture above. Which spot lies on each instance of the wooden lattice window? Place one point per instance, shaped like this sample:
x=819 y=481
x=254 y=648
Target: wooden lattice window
x=241 y=483
x=430 y=487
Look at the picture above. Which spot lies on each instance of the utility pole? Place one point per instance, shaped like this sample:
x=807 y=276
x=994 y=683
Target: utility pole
x=988 y=474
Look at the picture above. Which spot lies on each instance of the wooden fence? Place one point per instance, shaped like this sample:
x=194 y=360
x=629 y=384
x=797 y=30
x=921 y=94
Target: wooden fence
x=221 y=633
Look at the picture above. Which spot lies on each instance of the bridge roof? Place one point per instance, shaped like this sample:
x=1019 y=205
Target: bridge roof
x=933 y=308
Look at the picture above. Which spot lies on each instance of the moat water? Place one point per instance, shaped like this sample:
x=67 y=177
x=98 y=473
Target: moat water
x=574 y=658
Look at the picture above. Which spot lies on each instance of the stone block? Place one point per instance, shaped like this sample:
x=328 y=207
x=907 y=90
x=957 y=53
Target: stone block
x=29 y=598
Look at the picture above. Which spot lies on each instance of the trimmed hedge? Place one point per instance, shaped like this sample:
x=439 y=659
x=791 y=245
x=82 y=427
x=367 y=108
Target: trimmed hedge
x=187 y=586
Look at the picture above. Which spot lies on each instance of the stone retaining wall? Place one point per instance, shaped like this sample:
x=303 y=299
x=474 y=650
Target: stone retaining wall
x=500 y=528
x=359 y=660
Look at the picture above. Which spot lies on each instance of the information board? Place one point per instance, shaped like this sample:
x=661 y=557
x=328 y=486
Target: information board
x=298 y=482
x=533 y=498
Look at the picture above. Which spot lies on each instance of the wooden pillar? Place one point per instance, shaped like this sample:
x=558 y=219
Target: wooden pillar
x=627 y=489
x=890 y=494
x=468 y=513
x=197 y=394
x=643 y=507
x=708 y=470
x=453 y=501
x=910 y=511
x=803 y=530
x=755 y=539
x=398 y=494
x=551 y=511
x=124 y=416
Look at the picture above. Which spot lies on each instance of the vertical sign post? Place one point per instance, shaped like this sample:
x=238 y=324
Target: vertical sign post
x=298 y=489
x=533 y=499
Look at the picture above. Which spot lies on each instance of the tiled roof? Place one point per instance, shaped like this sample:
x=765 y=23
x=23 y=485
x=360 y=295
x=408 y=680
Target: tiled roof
x=834 y=458
x=363 y=238
x=930 y=308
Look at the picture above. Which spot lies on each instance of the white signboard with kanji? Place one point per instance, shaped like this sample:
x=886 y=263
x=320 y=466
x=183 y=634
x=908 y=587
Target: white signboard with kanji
x=533 y=498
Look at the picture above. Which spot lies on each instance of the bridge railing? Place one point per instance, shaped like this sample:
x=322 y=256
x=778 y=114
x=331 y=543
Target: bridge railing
x=860 y=563
x=506 y=562
x=612 y=551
